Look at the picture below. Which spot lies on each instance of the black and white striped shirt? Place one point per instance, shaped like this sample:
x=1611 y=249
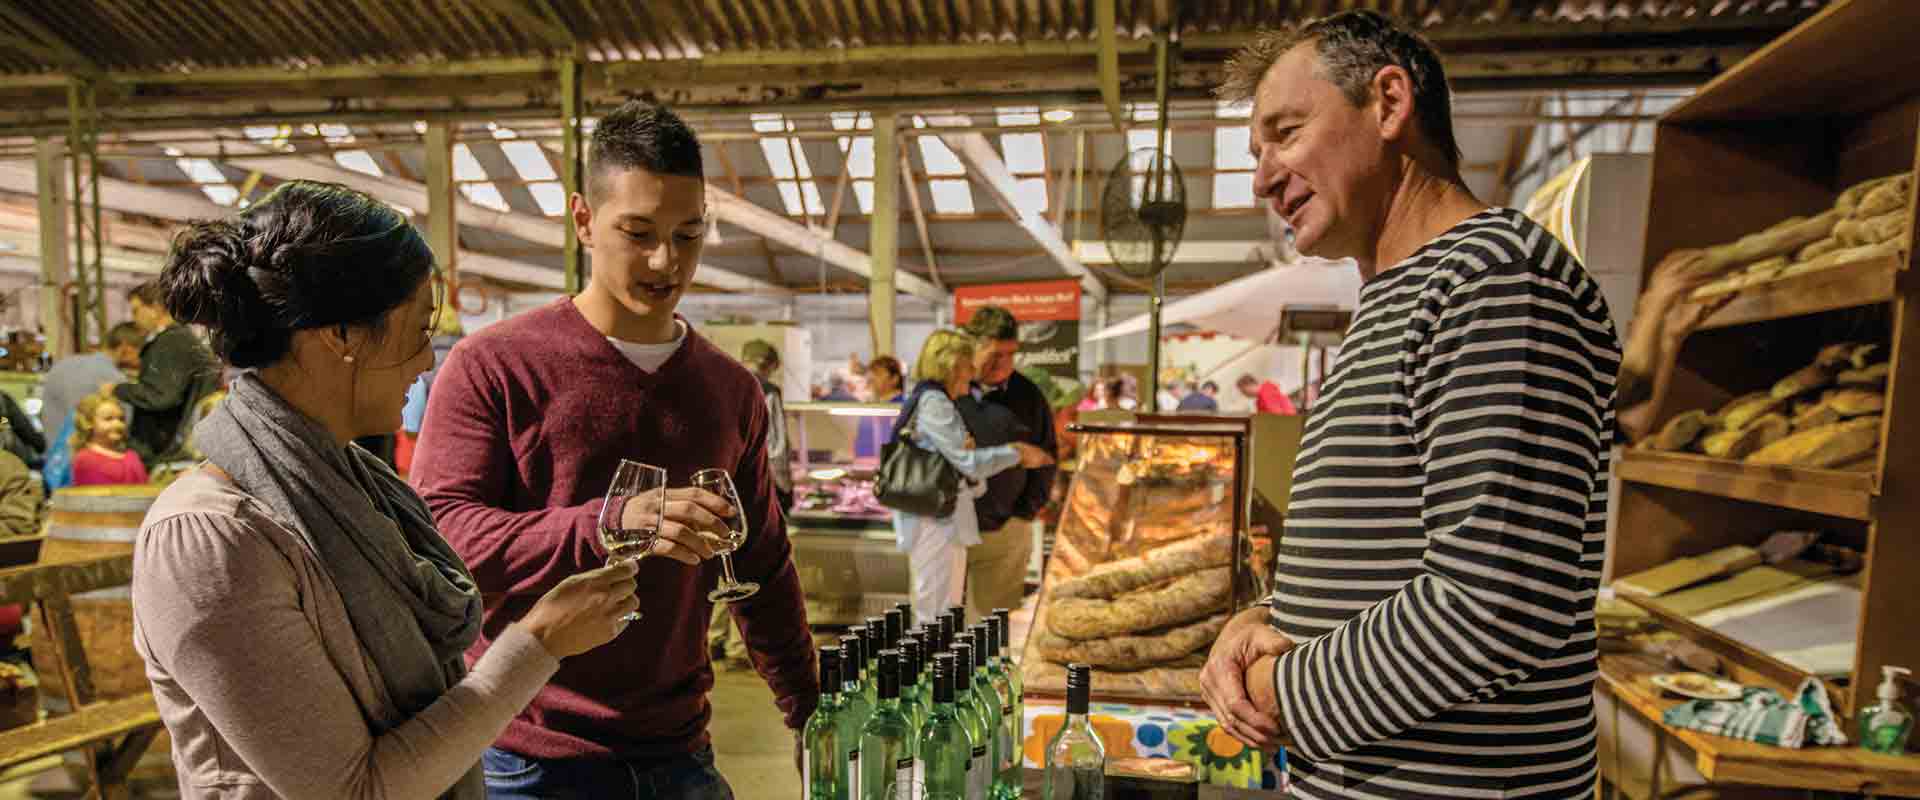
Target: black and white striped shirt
x=1447 y=527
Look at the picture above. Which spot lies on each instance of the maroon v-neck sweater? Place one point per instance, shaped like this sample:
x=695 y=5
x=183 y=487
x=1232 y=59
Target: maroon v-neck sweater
x=526 y=422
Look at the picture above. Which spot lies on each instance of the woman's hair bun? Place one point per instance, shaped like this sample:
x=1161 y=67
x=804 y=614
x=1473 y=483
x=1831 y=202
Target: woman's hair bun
x=307 y=255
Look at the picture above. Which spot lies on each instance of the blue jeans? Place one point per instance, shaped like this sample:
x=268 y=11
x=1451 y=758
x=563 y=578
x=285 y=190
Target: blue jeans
x=511 y=776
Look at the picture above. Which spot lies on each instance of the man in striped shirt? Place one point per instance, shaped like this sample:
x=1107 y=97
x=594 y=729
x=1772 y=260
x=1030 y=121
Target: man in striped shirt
x=1431 y=633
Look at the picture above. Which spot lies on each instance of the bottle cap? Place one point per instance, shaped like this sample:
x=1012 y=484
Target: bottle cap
x=896 y=627
x=982 y=644
x=874 y=634
x=943 y=678
x=830 y=670
x=946 y=631
x=1889 y=677
x=959 y=614
x=906 y=612
x=889 y=674
x=1079 y=686
x=962 y=661
x=910 y=660
x=851 y=658
x=997 y=633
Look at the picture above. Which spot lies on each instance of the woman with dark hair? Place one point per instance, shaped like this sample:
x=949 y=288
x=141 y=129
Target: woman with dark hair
x=302 y=621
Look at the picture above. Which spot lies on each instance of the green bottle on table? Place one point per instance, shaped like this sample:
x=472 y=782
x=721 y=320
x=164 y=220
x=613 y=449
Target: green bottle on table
x=823 y=766
x=912 y=700
x=873 y=636
x=988 y=700
x=887 y=742
x=854 y=710
x=1076 y=758
x=1012 y=665
x=1006 y=783
x=973 y=716
x=945 y=749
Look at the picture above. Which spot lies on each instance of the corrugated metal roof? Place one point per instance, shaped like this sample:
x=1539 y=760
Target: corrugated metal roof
x=183 y=35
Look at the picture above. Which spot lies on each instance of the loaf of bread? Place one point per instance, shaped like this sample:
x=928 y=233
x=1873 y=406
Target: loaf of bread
x=1193 y=596
x=1738 y=444
x=1767 y=268
x=1818 y=249
x=1849 y=201
x=1872 y=377
x=1844 y=256
x=1807 y=379
x=1872 y=230
x=1109 y=580
x=1134 y=652
x=1889 y=196
x=1815 y=414
x=1742 y=410
x=1679 y=432
x=1836 y=356
x=1850 y=403
x=1825 y=446
x=1784 y=238
x=1152 y=682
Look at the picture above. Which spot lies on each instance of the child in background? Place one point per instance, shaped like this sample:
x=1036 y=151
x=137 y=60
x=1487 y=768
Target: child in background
x=100 y=454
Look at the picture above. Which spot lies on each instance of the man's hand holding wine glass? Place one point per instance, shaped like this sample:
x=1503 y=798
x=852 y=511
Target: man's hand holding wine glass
x=695 y=526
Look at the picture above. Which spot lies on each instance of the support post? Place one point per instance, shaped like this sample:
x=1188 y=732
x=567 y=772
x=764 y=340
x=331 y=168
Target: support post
x=573 y=167
x=443 y=224
x=49 y=161
x=83 y=149
x=884 y=231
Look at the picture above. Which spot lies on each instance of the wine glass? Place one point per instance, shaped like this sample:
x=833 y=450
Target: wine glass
x=642 y=490
x=720 y=484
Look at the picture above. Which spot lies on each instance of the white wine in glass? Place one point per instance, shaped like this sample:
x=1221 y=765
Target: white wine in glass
x=720 y=484
x=630 y=519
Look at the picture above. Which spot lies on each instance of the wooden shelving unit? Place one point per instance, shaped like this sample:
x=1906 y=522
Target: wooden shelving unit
x=1829 y=104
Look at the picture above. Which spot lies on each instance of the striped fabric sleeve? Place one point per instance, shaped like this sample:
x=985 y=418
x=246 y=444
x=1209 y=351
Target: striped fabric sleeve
x=1508 y=392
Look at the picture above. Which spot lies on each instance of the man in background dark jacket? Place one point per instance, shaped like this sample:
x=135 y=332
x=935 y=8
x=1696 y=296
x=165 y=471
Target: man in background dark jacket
x=176 y=371
x=1005 y=407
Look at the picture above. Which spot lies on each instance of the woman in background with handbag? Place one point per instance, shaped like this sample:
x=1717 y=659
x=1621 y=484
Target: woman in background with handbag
x=934 y=525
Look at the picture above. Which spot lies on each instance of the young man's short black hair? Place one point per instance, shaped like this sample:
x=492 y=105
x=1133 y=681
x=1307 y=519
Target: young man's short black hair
x=993 y=323
x=125 y=334
x=643 y=136
x=1210 y=387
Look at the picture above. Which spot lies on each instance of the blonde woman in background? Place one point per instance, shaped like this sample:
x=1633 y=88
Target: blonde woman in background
x=937 y=547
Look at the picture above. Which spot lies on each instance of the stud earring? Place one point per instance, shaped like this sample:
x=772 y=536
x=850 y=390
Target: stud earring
x=349 y=359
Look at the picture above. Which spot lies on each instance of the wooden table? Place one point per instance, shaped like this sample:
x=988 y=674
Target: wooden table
x=1731 y=761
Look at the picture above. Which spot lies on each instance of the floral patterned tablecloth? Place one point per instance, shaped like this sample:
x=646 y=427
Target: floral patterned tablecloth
x=1184 y=735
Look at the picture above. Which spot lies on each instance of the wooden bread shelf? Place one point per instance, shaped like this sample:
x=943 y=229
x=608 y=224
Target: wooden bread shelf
x=1747 y=661
x=1837 y=493
x=1860 y=283
x=1731 y=761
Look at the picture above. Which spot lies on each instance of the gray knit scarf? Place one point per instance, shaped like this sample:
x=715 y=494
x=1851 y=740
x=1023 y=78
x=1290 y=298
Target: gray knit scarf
x=413 y=604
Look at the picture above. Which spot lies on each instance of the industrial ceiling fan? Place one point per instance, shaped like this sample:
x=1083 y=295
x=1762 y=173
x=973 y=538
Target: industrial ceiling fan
x=1143 y=213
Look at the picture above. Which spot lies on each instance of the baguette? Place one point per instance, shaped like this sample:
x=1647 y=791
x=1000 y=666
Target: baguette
x=1886 y=197
x=1850 y=403
x=1133 y=652
x=1807 y=379
x=1768 y=268
x=1862 y=355
x=1822 y=447
x=1740 y=443
x=1190 y=597
x=1680 y=431
x=1114 y=578
x=1873 y=377
x=1849 y=200
x=1742 y=410
x=1816 y=414
x=1872 y=230
x=1843 y=257
x=1836 y=356
x=1784 y=238
x=1818 y=249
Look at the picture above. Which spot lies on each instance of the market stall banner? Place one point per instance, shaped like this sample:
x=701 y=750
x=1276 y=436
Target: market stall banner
x=1049 y=315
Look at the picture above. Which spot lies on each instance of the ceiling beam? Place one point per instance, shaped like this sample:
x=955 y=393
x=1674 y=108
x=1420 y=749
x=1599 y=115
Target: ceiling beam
x=984 y=164
x=743 y=213
x=49 y=43
x=536 y=229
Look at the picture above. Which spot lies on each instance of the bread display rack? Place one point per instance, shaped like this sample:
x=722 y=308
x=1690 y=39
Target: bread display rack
x=1150 y=557
x=1829 y=105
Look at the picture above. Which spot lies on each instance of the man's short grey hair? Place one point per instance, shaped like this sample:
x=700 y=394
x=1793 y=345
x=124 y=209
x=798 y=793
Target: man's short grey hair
x=1353 y=46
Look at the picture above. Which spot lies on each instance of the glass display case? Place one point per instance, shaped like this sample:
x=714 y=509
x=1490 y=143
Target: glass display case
x=1152 y=555
x=843 y=544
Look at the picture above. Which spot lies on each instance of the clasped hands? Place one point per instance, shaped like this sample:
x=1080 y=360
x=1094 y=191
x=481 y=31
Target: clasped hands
x=1238 y=680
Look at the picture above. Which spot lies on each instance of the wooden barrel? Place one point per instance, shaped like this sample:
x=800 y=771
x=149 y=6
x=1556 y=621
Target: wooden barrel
x=86 y=522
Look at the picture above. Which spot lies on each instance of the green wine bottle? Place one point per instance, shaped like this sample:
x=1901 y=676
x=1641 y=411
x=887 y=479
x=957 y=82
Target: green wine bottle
x=911 y=699
x=822 y=770
x=1007 y=780
x=873 y=636
x=1076 y=759
x=945 y=750
x=887 y=741
x=979 y=759
x=988 y=700
x=854 y=710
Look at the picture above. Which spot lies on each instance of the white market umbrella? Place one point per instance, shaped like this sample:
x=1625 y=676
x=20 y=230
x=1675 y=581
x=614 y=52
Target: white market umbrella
x=1249 y=307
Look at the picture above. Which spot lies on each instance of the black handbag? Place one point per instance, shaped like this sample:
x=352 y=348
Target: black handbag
x=913 y=479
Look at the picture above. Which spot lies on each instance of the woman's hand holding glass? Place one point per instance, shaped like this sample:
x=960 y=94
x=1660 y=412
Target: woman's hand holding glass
x=586 y=610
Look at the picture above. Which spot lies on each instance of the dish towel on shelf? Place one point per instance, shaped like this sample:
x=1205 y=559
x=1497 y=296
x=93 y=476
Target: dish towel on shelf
x=1763 y=716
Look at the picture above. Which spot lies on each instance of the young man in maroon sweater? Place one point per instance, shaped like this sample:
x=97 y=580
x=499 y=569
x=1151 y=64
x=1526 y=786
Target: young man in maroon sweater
x=524 y=428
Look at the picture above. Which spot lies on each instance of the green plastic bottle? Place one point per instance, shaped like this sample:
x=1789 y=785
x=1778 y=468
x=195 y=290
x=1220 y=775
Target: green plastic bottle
x=822 y=768
x=945 y=750
x=887 y=741
x=1884 y=726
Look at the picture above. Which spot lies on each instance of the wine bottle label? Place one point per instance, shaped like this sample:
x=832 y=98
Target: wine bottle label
x=920 y=776
x=806 y=775
x=853 y=773
x=979 y=777
x=903 y=781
